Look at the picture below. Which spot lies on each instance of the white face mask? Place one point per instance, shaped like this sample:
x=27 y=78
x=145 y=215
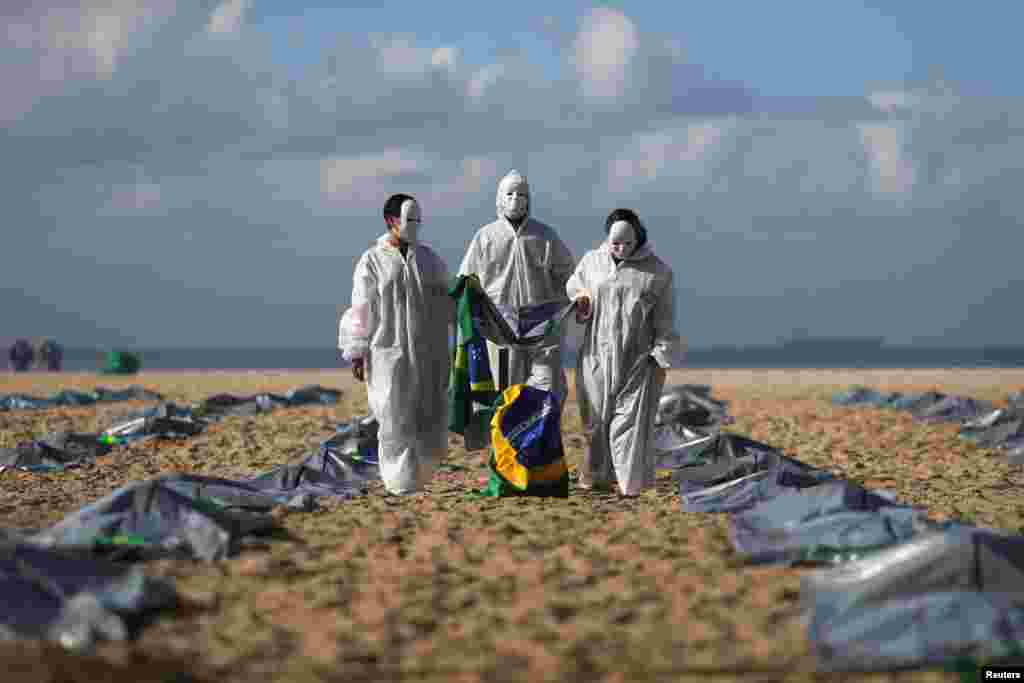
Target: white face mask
x=514 y=196
x=621 y=239
x=409 y=223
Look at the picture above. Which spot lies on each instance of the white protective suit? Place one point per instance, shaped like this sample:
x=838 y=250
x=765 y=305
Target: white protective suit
x=617 y=385
x=520 y=267
x=399 y=323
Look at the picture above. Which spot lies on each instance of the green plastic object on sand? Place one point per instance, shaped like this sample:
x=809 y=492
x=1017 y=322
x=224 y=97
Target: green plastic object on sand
x=121 y=363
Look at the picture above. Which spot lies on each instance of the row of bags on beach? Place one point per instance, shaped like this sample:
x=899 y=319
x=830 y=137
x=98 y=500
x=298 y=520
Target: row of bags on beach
x=902 y=590
x=70 y=580
x=166 y=420
x=981 y=422
x=893 y=588
x=218 y=403
x=72 y=397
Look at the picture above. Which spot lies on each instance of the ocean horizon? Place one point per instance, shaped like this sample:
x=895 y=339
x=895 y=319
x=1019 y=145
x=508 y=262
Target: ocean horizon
x=85 y=360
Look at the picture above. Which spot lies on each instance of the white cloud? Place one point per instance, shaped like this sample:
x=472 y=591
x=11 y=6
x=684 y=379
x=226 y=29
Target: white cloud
x=142 y=197
x=475 y=170
x=363 y=179
x=481 y=81
x=446 y=57
x=103 y=32
x=603 y=49
x=228 y=17
x=883 y=144
x=469 y=177
x=366 y=181
x=56 y=43
x=890 y=101
x=670 y=153
x=400 y=54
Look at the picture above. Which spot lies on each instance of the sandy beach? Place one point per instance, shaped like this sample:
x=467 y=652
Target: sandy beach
x=441 y=586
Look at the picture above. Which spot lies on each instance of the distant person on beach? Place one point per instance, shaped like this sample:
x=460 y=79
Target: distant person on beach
x=20 y=356
x=396 y=335
x=48 y=354
x=625 y=297
x=521 y=261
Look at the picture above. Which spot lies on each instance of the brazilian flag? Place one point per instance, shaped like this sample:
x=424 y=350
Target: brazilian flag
x=471 y=390
x=527 y=458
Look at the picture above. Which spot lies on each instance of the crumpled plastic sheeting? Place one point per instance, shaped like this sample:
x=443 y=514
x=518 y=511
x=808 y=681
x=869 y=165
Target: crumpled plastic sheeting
x=858 y=396
x=674 y=450
x=229 y=494
x=953 y=409
x=739 y=473
x=943 y=594
x=685 y=425
x=293 y=486
x=66 y=397
x=339 y=469
x=836 y=537
x=69 y=397
x=915 y=403
x=205 y=517
x=351 y=454
x=929 y=406
x=997 y=428
x=693 y=406
x=23 y=402
x=56 y=451
x=166 y=420
x=798 y=506
x=979 y=421
x=75 y=601
x=131 y=393
x=218 y=406
x=312 y=394
x=790 y=512
x=299 y=487
x=63 y=450
x=156 y=518
x=924 y=630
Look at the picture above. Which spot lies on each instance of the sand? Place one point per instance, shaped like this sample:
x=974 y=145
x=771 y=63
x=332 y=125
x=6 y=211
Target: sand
x=443 y=587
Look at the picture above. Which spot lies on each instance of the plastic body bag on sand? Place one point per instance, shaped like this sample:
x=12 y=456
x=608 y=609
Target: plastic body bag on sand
x=519 y=268
x=628 y=341
x=686 y=424
x=739 y=473
x=75 y=601
x=952 y=593
x=399 y=323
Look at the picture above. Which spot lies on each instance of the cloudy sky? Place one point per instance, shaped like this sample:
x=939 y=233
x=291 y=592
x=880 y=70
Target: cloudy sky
x=196 y=174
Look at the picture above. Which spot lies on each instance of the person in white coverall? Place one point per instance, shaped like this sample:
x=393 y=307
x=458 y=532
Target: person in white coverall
x=396 y=335
x=521 y=261
x=625 y=296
